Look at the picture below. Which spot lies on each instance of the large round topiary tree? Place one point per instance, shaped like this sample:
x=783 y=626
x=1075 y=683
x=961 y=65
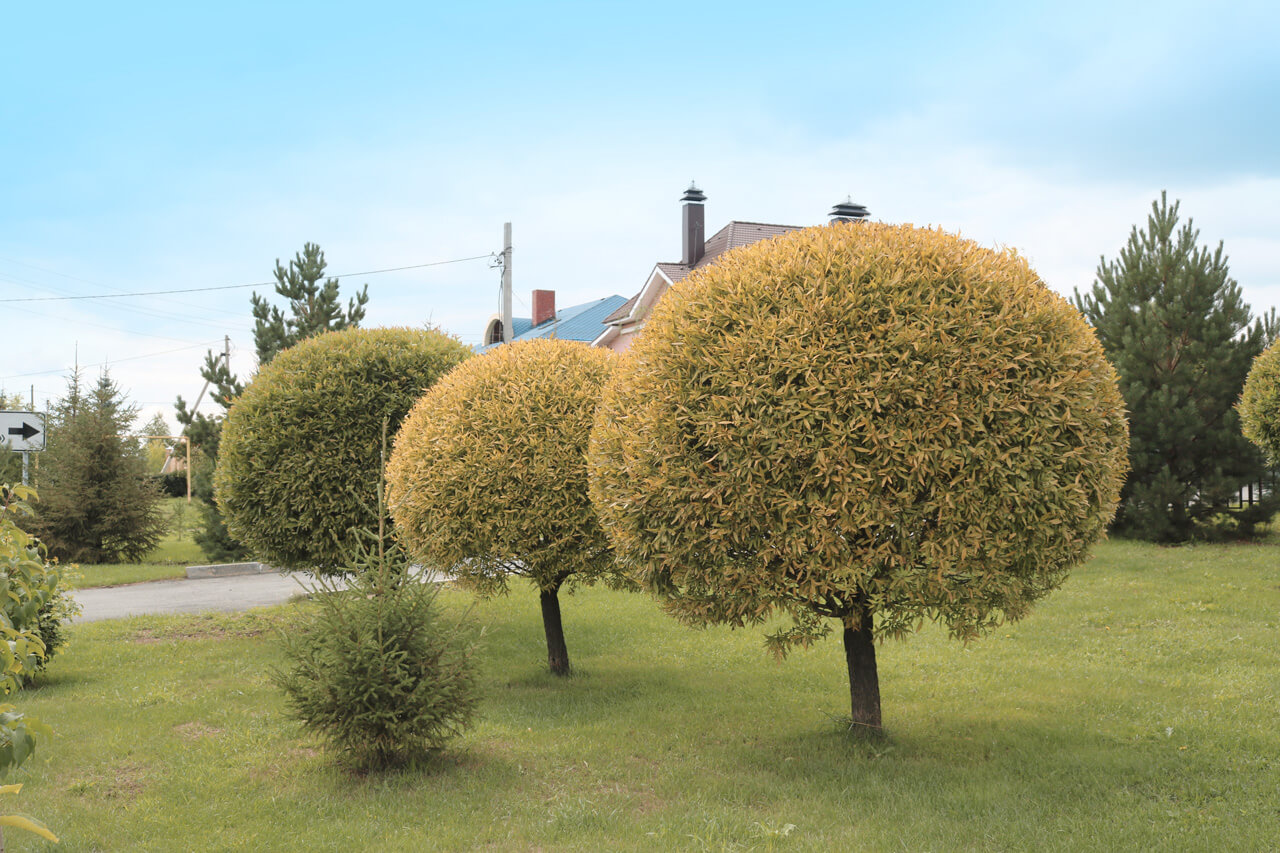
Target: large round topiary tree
x=859 y=422
x=1259 y=405
x=299 y=462
x=488 y=477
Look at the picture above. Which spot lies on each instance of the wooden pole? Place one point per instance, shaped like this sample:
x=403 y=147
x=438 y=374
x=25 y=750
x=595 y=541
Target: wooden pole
x=506 y=283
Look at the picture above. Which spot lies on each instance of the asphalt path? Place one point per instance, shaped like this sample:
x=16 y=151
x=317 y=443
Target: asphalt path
x=184 y=595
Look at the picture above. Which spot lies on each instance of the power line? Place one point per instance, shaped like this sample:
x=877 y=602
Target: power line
x=110 y=362
x=234 y=286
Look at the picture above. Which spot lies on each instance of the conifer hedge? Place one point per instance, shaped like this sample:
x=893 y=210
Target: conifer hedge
x=858 y=421
x=488 y=477
x=298 y=466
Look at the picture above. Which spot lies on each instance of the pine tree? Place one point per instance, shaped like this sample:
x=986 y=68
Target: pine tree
x=1174 y=324
x=96 y=504
x=314 y=308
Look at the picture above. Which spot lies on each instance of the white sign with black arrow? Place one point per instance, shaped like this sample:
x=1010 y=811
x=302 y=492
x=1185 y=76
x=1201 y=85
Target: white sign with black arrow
x=22 y=431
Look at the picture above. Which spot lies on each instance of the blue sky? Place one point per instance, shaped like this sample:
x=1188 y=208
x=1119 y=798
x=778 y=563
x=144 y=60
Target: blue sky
x=165 y=146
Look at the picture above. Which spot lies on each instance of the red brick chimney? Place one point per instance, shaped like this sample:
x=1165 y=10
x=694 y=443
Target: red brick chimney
x=544 y=306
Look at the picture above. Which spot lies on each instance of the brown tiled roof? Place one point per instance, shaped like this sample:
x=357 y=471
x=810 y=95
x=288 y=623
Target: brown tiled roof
x=623 y=311
x=675 y=272
x=737 y=234
x=734 y=235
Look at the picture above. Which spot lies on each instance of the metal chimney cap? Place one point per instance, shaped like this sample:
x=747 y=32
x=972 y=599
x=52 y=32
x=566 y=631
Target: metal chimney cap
x=693 y=194
x=847 y=211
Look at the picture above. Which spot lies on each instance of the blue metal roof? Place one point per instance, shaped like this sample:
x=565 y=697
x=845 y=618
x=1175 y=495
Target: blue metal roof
x=582 y=322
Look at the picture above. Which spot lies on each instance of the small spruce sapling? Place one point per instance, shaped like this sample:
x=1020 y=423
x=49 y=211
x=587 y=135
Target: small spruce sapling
x=374 y=667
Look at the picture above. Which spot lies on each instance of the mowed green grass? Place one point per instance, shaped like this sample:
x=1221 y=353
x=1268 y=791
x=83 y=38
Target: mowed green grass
x=1135 y=709
x=170 y=559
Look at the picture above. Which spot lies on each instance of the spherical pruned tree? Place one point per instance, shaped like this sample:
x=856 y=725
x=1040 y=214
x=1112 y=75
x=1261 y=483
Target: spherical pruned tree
x=299 y=462
x=488 y=477
x=858 y=421
x=1259 y=404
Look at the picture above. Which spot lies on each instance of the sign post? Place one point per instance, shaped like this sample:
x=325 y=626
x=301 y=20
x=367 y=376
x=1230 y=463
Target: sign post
x=22 y=432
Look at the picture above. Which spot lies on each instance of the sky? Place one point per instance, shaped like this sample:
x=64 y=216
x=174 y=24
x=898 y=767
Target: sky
x=148 y=147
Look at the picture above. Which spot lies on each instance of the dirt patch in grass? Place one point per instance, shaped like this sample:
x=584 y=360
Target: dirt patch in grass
x=197 y=730
x=123 y=783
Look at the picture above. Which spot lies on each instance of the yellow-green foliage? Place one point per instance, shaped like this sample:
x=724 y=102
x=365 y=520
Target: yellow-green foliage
x=299 y=463
x=1259 y=405
x=859 y=416
x=488 y=476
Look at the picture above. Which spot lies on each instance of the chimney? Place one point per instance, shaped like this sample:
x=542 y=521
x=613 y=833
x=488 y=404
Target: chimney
x=847 y=211
x=544 y=306
x=694 y=231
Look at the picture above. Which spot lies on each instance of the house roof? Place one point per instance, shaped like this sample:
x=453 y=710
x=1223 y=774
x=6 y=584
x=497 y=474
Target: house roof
x=576 y=323
x=734 y=235
x=623 y=311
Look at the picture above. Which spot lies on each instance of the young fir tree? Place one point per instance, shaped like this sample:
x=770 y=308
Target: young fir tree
x=1173 y=323
x=96 y=504
x=314 y=307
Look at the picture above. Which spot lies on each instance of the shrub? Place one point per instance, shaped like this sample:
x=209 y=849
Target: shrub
x=488 y=476
x=30 y=586
x=1259 y=405
x=859 y=421
x=374 y=668
x=172 y=485
x=35 y=599
x=298 y=462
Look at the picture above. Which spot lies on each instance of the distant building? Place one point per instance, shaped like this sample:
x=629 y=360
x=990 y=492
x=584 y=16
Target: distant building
x=578 y=323
x=621 y=326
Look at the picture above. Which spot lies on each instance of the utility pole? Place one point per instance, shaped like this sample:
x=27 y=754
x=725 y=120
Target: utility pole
x=506 y=283
x=226 y=354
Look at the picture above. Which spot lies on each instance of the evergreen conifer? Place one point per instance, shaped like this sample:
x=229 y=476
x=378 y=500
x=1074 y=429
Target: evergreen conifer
x=96 y=503
x=1173 y=322
x=314 y=307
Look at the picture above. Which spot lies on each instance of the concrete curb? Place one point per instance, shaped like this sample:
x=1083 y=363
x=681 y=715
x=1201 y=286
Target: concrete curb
x=224 y=570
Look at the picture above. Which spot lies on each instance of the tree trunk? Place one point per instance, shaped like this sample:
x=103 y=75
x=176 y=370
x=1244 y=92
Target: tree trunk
x=864 y=682
x=557 y=651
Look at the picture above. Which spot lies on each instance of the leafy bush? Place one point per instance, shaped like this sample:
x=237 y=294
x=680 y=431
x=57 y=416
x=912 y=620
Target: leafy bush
x=853 y=421
x=35 y=599
x=26 y=593
x=488 y=477
x=374 y=668
x=298 y=462
x=1259 y=405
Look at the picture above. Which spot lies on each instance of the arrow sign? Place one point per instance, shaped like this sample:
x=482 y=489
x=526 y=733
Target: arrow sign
x=25 y=431
x=22 y=431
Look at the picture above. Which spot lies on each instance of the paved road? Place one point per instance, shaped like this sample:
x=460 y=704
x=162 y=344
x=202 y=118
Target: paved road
x=237 y=592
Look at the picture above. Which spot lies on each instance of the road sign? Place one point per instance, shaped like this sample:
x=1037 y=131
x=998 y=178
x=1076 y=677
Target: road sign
x=22 y=431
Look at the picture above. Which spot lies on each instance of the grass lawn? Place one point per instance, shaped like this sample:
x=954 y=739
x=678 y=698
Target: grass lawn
x=176 y=551
x=1134 y=710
